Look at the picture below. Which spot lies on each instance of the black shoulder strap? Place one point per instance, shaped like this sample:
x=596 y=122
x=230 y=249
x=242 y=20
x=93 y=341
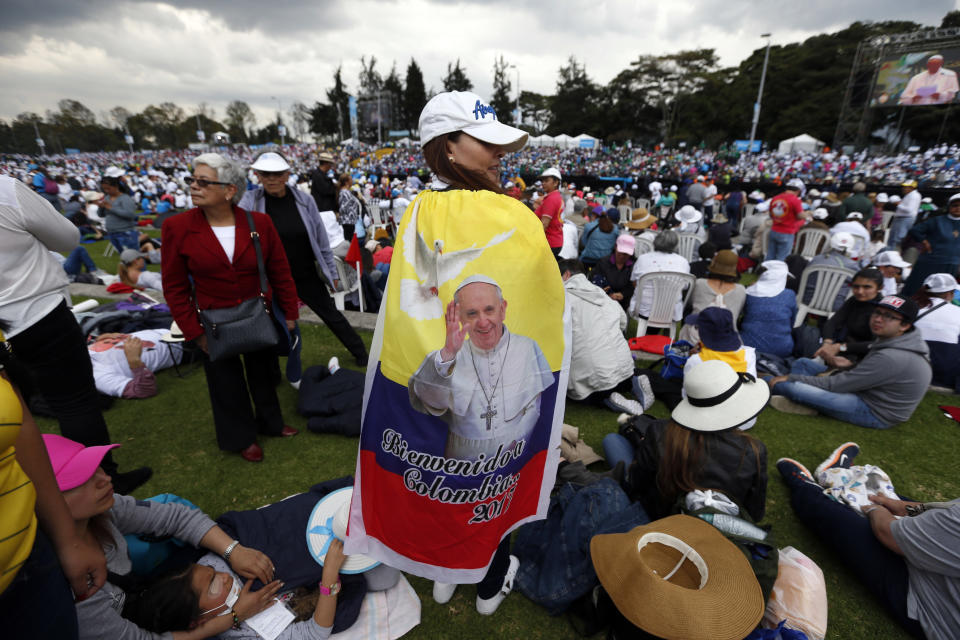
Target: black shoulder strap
x=932 y=308
x=256 y=247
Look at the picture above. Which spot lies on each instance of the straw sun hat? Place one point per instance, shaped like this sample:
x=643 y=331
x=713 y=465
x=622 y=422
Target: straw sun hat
x=679 y=578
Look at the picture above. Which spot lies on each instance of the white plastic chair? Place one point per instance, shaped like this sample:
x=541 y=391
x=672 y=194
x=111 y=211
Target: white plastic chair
x=349 y=282
x=664 y=212
x=642 y=246
x=643 y=203
x=669 y=287
x=688 y=245
x=810 y=242
x=829 y=282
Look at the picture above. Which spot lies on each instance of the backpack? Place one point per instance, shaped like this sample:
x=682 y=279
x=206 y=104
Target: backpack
x=674 y=358
x=50 y=187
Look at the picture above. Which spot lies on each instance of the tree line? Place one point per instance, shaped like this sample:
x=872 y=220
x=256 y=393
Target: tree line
x=671 y=98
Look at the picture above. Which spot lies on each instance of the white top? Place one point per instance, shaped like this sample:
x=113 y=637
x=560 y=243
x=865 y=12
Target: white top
x=909 y=206
x=227 y=237
x=111 y=371
x=648 y=263
x=942 y=324
x=32 y=282
x=333 y=228
x=571 y=235
x=152 y=280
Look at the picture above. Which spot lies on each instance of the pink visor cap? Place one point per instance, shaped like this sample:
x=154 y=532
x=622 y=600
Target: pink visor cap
x=73 y=464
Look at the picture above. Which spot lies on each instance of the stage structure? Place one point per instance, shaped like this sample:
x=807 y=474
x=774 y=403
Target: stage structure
x=886 y=73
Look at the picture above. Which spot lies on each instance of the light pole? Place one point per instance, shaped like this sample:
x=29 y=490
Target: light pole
x=282 y=130
x=756 y=105
x=519 y=115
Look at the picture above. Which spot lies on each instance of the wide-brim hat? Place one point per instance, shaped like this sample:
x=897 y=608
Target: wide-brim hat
x=609 y=191
x=92 y=196
x=679 y=577
x=466 y=111
x=73 y=464
x=688 y=214
x=719 y=398
x=640 y=219
x=174 y=334
x=719 y=218
x=323 y=156
x=328 y=521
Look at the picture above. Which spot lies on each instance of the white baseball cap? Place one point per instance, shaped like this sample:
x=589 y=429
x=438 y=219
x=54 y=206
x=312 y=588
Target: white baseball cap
x=270 y=161
x=940 y=283
x=466 y=111
x=842 y=241
x=552 y=172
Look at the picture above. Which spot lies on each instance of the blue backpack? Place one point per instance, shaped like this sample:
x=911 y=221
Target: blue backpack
x=674 y=358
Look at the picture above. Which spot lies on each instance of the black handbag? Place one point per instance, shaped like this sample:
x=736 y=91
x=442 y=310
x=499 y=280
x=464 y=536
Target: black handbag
x=246 y=327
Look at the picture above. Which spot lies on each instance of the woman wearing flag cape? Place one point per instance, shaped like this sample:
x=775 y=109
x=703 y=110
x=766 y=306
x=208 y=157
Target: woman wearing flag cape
x=463 y=400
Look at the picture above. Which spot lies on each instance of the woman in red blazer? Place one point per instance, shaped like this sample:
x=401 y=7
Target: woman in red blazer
x=212 y=245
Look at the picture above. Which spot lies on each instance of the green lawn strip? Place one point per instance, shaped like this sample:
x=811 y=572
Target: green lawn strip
x=173 y=433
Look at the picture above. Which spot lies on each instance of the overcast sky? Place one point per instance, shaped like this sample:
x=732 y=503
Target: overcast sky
x=132 y=53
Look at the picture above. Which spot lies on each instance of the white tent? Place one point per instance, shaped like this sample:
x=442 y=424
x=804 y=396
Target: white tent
x=564 y=141
x=541 y=141
x=802 y=142
x=586 y=141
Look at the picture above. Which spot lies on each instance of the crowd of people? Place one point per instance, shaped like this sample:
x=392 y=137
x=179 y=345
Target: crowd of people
x=869 y=262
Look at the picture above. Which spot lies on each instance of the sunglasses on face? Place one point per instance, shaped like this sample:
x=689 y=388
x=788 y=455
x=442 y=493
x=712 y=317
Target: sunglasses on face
x=203 y=183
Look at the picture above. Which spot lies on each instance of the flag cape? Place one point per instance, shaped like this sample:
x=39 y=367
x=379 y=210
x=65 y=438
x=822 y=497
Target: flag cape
x=428 y=503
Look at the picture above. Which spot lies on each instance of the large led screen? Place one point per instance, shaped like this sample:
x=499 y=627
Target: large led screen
x=917 y=78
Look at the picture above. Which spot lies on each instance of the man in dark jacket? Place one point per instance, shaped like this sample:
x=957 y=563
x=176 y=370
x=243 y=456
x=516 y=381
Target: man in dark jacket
x=886 y=386
x=322 y=186
x=858 y=202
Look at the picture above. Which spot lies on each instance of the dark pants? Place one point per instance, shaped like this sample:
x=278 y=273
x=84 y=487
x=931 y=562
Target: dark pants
x=493 y=581
x=882 y=571
x=236 y=423
x=314 y=294
x=39 y=603
x=55 y=353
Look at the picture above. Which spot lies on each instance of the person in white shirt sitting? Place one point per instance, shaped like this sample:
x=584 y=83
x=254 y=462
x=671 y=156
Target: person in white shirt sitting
x=132 y=271
x=939 y=323
x=124 y=364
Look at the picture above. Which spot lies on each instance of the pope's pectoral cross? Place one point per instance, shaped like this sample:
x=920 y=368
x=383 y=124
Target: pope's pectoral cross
x=488 y=416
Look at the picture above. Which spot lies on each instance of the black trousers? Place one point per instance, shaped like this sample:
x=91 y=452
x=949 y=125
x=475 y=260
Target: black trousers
x=314 y=294
x=236 y=423
x=55 y=353
x=493 y=581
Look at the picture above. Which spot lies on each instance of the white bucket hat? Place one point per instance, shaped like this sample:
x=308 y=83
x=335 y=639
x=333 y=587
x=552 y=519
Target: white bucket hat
x=820 y=213
x=719 y=398
x=270 y=161
x=329 y=521
x=940 y=283
x=688 y=214
x=466 y=111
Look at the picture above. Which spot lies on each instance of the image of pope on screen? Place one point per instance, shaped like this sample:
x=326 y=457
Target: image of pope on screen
x=484 y=382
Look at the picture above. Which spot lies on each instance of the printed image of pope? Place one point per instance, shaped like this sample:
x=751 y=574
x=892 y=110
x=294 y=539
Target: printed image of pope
x=485 y=382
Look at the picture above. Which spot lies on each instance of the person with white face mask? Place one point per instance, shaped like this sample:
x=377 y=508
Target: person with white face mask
x=104 y=517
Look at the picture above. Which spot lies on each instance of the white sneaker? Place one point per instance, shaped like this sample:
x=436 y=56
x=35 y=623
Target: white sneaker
x=296 y=385
x=488 y=606
x=442 y=592
x=647 y=398
x=333 y=365
x=623 y=418
x=618 y=402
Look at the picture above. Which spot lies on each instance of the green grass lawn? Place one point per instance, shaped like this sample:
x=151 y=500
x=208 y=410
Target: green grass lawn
x=173 y=433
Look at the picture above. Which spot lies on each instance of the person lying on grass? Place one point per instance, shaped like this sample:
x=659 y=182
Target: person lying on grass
x=906 y=553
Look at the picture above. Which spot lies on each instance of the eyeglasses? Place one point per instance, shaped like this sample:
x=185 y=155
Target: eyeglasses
x=203 y=183
x=886 y=316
